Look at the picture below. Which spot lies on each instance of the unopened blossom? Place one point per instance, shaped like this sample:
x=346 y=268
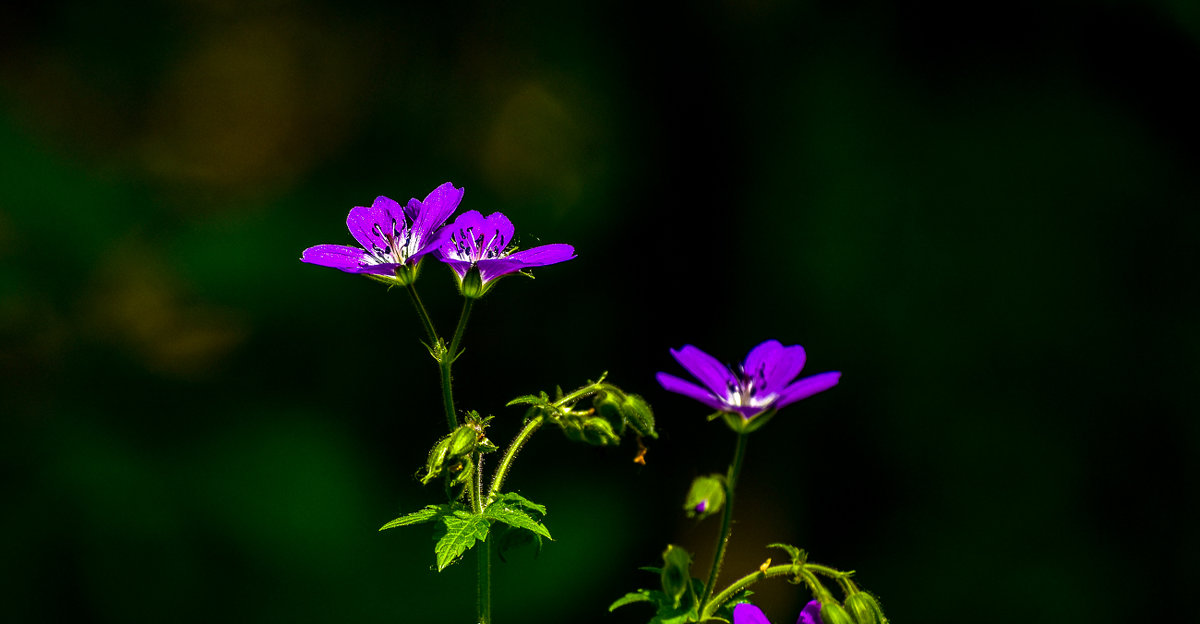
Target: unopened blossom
x=485 y=244
x=393 y=238
x=765 y=381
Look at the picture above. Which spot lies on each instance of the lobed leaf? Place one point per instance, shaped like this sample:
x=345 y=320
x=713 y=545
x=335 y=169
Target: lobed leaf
x=516 y=499
x=515 y=517
x=462 y=531
x=641 y=595
x=428 y=514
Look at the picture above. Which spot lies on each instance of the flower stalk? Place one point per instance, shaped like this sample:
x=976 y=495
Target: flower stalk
x=446 y=361
x=735 y=468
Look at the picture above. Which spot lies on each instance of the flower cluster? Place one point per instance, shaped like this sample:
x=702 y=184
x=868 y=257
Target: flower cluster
x=394 y=239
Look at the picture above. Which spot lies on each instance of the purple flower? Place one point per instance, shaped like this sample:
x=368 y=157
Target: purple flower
x=764 y=382
x=746 y=613
x=484 y=243
x=393 y=239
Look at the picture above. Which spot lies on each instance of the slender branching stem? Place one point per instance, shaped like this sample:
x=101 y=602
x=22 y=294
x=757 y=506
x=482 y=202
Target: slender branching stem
x=804 y=572
x=447 y=360
x=430 y=332
x=735 y=469
x=743 y=583
x=510 y=454
x=483 y=578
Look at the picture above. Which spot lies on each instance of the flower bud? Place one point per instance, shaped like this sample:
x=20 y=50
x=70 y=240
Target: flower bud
x=608 y=406
x=833 y=613
x=638 y=415
x=599 y=432
x=706 y=496
x=436 y=460
x=864 y=608
x=463 y=441
x=471 y=285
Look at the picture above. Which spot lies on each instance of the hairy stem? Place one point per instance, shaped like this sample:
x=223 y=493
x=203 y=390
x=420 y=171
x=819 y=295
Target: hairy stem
x=739 y=455
x=511 y=454
x=423 y=314
x=447 y=361
x=740 y=584
x=526 y=432
x=484 y=581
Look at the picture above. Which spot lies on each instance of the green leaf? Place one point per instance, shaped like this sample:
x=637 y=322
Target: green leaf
x=641 y=595
x=528 y=399
x=428 y=514
x=462 y=531
x=515 y=517
x=513 y=498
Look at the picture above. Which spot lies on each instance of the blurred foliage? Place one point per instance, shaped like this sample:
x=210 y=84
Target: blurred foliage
x=984 y=216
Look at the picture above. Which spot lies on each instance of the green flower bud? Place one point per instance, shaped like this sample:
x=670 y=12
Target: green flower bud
x=676 y=572
x=462 y=471
x=599 y=432
x=471 y=284
x=833 y=613
x=463 y=441
x=864 y=608
x=608 y=405
x=706 y=497
x=638 y=415
x=436 y=460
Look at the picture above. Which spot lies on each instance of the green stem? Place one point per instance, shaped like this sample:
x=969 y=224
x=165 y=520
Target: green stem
x=523 y=436
x=423 y=314
x=740 y=584
x=511 y=454
x=739 y=455
x=447 y=360
x=484 y=581
x=780 y=570
x=483 y=570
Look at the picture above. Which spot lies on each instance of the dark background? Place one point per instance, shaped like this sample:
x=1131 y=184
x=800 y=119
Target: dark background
x=985 y=217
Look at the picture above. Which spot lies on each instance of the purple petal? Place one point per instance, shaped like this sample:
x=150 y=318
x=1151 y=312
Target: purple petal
x=807 y=387
x=460 y=242
x=745 y=613
x=811 y=613
x=706 y=368
x=431 y=214
x=490 y=269
x=460 y=267
x=544 y=255
x=499 y=232
x=671 y=383
x=340 y=257
x=386 y=268
x=774 y=365
x=368 y=224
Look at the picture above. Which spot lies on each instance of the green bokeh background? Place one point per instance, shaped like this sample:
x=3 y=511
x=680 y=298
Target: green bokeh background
x=985 y=217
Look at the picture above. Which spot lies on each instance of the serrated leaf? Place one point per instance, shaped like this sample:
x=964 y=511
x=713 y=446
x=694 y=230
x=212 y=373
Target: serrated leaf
x=460 y=536
x=515 y=517
x=641 y=595
x=428 y=514
x=520 y=501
